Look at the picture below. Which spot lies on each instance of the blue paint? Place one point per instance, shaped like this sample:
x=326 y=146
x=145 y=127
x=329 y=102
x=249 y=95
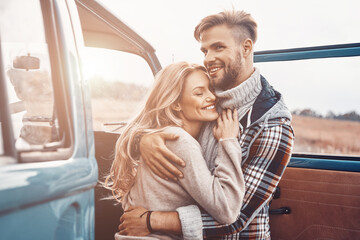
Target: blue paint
x=344 y=50
x=328 y=164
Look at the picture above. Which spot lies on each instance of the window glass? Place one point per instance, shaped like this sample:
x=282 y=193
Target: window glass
x=323 y=95
x=119 y=82
x=305 y=23
x=28 y=74
x=1 y=139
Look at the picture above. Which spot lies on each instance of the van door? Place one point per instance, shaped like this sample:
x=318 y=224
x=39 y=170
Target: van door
x=319 y=195
x=47 y=166
x=112 y=49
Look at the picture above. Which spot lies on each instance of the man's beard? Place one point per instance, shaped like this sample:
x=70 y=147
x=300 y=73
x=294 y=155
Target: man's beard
x=231 y=74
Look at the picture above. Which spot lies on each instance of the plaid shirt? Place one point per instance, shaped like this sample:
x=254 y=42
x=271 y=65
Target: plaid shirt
x=263 y=165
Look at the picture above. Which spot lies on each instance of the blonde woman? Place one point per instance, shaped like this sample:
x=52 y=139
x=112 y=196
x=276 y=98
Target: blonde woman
x=180 y=102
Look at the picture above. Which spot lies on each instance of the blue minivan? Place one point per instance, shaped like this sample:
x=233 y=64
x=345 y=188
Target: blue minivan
x=57 y=135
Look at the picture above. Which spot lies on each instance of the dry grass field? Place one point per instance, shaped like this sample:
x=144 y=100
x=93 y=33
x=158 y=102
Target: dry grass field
x=312 y=135
x=107 y=110
x=326 y=136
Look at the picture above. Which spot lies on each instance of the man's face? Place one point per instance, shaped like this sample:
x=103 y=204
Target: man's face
x=222 y=56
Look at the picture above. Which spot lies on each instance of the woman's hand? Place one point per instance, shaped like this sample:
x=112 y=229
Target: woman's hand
x=227 y=125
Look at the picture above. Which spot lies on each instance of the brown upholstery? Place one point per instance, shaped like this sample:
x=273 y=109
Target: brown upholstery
x=324 y=205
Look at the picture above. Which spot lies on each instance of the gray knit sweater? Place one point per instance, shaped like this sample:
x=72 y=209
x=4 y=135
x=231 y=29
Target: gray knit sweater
x=241 y=98
x=219 y=194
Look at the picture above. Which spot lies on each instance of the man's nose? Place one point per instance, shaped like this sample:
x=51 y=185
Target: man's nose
x=209 y=58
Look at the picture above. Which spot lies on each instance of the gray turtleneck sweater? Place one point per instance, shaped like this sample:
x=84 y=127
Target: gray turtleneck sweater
x=241 y=97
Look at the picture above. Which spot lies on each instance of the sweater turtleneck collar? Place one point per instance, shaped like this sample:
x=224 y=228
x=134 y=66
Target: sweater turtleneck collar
x=241 y=95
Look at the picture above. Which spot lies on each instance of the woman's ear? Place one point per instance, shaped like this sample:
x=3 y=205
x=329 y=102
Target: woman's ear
x=176 y=107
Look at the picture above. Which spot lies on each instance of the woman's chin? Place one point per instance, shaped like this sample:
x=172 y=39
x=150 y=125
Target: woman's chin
x=212 y=117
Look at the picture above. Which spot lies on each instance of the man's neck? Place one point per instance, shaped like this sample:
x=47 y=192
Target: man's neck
x=247 y=72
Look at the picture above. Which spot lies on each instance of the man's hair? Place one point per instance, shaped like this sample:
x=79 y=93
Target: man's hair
x=242 y=24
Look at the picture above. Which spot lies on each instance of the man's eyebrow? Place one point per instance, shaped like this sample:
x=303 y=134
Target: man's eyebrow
x=216 y=44
x=213 y=45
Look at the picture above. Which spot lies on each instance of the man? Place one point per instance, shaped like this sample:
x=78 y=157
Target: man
x=227 y=41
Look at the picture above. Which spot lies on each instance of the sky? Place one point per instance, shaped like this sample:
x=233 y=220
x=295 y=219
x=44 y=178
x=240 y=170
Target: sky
x=323 y=85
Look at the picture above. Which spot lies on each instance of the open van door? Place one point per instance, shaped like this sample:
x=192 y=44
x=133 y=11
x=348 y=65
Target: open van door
x=112 y=46
x=319 y=194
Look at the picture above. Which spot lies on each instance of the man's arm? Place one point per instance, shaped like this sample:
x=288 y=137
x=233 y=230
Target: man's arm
x=158 y=157
x=267 y=161
x=133 y=222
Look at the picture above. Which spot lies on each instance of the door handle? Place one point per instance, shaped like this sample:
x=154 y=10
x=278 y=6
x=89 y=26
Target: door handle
x=279 y=211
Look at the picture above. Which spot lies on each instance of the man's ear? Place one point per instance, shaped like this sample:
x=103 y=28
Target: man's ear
x=176 y=107
x=247 y=47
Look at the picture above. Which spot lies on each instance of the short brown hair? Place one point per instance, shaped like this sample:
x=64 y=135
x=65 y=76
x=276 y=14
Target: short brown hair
x=240 y=21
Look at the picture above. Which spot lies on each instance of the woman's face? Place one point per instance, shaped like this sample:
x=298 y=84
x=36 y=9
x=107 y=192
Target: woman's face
x=197 y=102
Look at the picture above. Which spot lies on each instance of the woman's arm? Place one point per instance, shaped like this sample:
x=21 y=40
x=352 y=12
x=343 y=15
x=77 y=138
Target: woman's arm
x=220 y=194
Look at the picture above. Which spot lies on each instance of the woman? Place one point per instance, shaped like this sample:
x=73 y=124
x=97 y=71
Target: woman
x=180 y=102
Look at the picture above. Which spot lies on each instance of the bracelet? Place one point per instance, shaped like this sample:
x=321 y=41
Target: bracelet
x=148 y=224
x=148 y=221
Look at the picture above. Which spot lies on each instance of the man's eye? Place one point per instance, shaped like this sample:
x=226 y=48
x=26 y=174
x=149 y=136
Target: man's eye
x=219 y=47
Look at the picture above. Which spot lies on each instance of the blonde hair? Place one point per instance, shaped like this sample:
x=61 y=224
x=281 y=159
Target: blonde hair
x=156 y=114
x=242 y=24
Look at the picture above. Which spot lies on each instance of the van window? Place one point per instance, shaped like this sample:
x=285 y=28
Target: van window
x=27 y=70
x=1 y=139
x=119 y=82
x=323 y=96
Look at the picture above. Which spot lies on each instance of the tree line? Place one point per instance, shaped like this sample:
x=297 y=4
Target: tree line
x=349 y=116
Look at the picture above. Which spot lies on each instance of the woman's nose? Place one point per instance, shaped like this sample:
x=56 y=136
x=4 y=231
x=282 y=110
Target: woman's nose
x=211 y=97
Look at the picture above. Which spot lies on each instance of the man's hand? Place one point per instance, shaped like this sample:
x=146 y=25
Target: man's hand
x=158 y=157
x=132 y=224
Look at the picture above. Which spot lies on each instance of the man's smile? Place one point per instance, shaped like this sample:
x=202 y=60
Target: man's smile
x=213 y=70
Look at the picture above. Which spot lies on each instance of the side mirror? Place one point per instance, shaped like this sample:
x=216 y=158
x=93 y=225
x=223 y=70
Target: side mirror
x=26 y=62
